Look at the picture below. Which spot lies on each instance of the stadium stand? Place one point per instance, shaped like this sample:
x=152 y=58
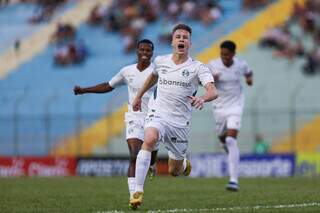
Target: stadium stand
x=149 y=32
x=19 y=26
x=28 y=82
x=38 y=42
x=28 y=78
x=285 y=99
x=287 y=102
x=202 y=136
x=48 y=90
x=262 y=63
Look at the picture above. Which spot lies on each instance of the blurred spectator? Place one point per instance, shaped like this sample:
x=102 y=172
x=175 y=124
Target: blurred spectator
x=96 y=15
x=283 y=42
x=82 y=51
x=4 y=2
x=130 y=38
x=167 y=25
x=42 y=14
x=298 y=11
x=61 y=55
x=209 y=12
x=189 y=10
x=130 y=18
x=17 y=46
x=173 y=9
x=277 y=38
x=64 y=33
x=312 y=64
x=45 y=10
x=149 y=9
x=73 y=53
x=288 y=40
x=254 y=4
x=261 y=146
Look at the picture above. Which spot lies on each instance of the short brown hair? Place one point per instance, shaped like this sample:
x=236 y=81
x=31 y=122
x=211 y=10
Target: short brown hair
x=182 y=27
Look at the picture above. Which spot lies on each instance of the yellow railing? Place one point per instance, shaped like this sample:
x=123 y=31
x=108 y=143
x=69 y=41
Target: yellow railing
x=307 y=139
x=92 y=138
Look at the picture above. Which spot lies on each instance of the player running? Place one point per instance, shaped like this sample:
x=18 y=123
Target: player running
x=227 y=109
x=178 y=77
x=133 y=76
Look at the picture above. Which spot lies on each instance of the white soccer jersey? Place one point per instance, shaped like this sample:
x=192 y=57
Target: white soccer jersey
x=175 y=84
x=231 y=97
x=134 y=79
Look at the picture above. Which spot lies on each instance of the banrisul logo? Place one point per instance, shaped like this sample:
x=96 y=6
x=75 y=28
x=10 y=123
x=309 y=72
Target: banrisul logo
x=185 y=73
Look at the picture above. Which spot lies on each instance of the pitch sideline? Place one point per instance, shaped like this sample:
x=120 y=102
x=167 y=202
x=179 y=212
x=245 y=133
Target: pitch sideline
x=224 y=209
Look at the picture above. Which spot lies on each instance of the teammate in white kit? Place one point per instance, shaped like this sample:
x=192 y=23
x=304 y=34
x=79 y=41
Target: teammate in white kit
x=178 y=77
x=133 y=76
x=227 y=109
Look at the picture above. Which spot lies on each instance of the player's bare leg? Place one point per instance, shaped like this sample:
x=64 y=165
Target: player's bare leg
x=223 y=142
x=153 y=166
x=233 y=158
x=179 y=167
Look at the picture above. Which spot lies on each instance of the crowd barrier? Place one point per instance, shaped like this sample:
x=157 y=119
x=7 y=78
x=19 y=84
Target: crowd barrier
x=203 y=165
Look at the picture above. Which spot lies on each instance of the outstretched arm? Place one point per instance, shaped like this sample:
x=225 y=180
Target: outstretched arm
x=150 y=82
x=99 y=88
x=210 y=94
x=249 y=78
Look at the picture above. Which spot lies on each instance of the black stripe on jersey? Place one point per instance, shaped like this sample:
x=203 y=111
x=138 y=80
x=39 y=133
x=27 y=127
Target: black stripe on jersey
x=194 y=94
x=155 y=94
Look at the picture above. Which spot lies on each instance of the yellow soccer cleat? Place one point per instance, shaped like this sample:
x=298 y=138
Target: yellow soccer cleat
x=136 y=199
x=188 y=168
x=132 y=207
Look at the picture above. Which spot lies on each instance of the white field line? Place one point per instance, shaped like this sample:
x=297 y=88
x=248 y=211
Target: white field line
x=225 y=209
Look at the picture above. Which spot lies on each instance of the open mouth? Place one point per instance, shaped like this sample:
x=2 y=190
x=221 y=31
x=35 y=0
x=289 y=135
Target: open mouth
x=180 y=46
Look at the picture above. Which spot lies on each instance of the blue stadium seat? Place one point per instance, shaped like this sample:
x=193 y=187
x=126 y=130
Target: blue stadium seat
x=44 y=80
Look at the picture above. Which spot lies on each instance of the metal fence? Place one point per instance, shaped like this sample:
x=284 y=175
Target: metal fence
x=292 y=129
x=296 y=126
x=23 y=134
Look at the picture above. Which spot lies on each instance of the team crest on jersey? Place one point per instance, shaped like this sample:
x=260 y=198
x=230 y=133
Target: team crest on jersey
x=185 y=73
x=164 y=71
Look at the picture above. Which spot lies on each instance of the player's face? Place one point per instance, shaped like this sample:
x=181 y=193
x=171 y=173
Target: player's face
x=181 y=41
x=144 y=52
x=226 y=56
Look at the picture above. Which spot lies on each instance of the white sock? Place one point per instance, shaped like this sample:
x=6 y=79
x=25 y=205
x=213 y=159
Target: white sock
x=233 y=158
x=142 y=167
x=184 y=164
x=131 y=185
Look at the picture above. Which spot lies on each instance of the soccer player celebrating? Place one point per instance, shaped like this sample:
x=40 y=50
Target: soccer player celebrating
x=227 y=109
x=178 y=77
x=133 y=76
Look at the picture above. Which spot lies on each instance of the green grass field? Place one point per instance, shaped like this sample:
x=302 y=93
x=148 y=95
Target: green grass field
x=164 y=194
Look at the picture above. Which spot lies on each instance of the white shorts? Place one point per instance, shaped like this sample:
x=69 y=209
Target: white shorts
x=174 y=139
x=226 y=121
x=134 y=126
